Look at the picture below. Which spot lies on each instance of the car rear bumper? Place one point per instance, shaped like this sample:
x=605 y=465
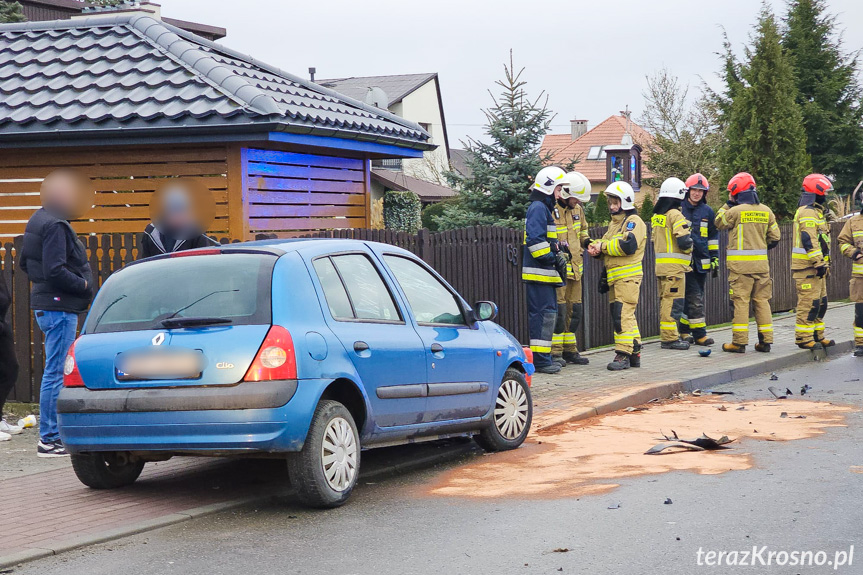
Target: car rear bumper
x=180 y=422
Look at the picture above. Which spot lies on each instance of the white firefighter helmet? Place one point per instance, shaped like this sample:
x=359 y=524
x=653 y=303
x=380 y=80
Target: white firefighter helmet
x=624 y=193
x=576 y=185
x=547 y=179
x=673 y=188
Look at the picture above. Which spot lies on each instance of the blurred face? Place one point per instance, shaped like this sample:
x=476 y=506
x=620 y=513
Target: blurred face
x=67 y=194
x=557 y=189
x=613 y=204
x=182 y=208
x=571 y=202
x=695 y=195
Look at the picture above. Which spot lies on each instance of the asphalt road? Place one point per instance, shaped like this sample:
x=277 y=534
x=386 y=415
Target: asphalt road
x=801 y=496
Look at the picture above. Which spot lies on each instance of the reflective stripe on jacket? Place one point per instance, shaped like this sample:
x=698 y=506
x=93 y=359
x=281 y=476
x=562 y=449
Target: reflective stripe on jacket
x=851 y=240
x=750 y=228
x=809 y=227
x=705 y=236
x=540 y=246
x=670 y=259
x=617 y=263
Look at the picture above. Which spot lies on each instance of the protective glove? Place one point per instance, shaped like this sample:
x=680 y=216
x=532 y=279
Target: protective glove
x=821 y=271
x=857 y=255
x=714 y=264
x=603 y=283
x=560 y=265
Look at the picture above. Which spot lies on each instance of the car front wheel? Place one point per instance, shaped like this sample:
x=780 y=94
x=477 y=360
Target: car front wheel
x=107 y=470
x=325 y=472
x=511 y=415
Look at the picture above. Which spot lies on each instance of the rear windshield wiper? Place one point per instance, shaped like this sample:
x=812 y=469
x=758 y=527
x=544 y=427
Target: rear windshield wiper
x=199 y=300
x=194 y=321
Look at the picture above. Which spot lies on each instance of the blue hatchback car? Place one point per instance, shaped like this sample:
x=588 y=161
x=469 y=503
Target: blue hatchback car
x=305 y=349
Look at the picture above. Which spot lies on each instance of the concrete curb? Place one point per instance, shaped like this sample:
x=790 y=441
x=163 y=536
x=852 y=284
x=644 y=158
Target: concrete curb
x=636 y=397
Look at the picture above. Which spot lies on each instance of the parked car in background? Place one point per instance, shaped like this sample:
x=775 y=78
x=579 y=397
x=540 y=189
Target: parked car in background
x=310 y=350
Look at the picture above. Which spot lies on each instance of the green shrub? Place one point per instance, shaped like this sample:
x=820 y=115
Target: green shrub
x=601 y=213
x=433 y=211
x=647 y=206
x=402 y=211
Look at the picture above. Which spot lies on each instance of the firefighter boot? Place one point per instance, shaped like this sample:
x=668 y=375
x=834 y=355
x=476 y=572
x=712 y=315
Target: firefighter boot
x=733 y=348
x=635 y=358
x=703 y=341
x=679 y=344
x=621 y=362
x=761 y=346
x=551 y=368
x=825 y=342
x=575 y=358
x=858 y=351
x=687 y=337
x=559 y=360
x=810 y=345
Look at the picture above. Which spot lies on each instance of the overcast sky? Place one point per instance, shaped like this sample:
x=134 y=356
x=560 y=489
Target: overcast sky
x=589 y=56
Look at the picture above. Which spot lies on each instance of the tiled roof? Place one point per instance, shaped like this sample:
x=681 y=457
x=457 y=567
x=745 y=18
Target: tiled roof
x=427 y=191
x=608 y=133
x=395 y=87
x=114 y=73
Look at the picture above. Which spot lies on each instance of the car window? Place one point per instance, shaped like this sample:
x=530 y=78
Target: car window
x=354 y=289
x=429 y=299
x=334 y=289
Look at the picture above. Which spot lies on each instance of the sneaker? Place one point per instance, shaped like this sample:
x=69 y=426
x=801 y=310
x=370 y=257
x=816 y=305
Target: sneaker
x=858 y=351
x=559 y=360
x=762 y=347
x=621 y=362
x=550 y=368
x=703 y=341
x=733 y=348
x=8 y=428
x=678 y=344
x=5 y=436
x=575 y=357
x=54 y=449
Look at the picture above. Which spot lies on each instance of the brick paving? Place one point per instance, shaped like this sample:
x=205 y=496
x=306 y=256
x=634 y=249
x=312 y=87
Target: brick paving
x=48 y=507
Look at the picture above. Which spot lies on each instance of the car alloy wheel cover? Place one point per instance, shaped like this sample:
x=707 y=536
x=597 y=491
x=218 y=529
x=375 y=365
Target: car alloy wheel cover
x=339 y=454
x=510 y=413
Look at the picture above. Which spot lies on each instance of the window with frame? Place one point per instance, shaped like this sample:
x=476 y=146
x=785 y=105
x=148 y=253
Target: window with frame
x=354 y=289
x=431 y=301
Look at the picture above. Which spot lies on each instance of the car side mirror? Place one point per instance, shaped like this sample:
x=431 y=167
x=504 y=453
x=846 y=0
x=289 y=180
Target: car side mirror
x=485 y=310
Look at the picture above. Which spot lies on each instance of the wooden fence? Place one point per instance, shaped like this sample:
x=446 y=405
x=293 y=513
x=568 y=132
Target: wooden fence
x=482 y=263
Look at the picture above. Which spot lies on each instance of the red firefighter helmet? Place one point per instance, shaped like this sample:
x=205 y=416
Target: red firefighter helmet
x=817 y=184
x=697 y=182
x=742 y=182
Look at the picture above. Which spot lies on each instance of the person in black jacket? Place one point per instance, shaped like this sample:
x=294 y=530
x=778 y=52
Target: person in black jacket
x=8 y=362
x=180 y=216
x=56 y=262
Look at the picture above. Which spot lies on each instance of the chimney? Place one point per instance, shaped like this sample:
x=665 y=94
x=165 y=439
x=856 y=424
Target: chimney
x=579 y=128
x=312 y=71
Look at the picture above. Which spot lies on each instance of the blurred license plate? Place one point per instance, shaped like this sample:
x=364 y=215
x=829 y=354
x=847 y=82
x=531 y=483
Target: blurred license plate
x=160 y=364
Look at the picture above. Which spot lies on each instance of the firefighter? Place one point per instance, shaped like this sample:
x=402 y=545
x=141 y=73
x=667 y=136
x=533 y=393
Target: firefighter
x=672 y=245
x=573 y=237
x=752 y=231
x=622 y=250
x=810 y=262
x=705 y=258
x=851 y=245
x=543 y=266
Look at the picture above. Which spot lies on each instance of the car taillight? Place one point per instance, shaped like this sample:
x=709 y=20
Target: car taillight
x=276 y=358
x=71 y=375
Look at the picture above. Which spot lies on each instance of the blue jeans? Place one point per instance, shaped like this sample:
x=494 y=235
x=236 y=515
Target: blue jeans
x=59 y=329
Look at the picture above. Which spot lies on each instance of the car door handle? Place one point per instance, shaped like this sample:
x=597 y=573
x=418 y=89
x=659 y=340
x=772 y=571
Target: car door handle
x=360 y=346
x=436 y=348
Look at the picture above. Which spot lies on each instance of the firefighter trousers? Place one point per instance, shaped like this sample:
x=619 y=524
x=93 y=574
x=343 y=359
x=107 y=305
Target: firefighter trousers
x=623 y=299
x=691 y=316
x=811 y=305
x=757 y=289
x=857 y=298
x=569 y=314
x=671 y=291
x=541 y=317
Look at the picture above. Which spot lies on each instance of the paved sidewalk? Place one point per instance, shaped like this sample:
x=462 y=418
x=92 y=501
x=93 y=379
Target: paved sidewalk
x=52 y=512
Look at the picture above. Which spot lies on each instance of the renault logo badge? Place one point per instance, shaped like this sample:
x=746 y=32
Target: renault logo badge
x=159 y=339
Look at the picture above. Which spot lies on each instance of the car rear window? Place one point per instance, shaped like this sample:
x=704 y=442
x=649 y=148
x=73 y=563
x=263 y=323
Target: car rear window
x=231 y=286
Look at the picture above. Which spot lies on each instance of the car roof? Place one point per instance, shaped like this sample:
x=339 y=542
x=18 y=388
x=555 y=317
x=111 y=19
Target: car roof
x=298 y=244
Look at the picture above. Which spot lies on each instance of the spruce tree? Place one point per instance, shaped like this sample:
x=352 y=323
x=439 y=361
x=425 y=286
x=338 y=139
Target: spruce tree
x=601 y=213
x=829 y=93
x=764 y=124
x=496 y=192
x=646 y=211
x=11 y=12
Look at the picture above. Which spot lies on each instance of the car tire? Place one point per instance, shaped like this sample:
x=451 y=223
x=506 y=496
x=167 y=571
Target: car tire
x=325 y=471
x=512 y=414
x=108 y=470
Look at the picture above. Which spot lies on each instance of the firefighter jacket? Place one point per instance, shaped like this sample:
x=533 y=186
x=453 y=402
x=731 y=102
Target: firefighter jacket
x=623 y=245
x=705 y=236
x=752 y=230
x=851 y=243
x=572 y=233
x=540 y=242
x=811 y=239
x=672 y=243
